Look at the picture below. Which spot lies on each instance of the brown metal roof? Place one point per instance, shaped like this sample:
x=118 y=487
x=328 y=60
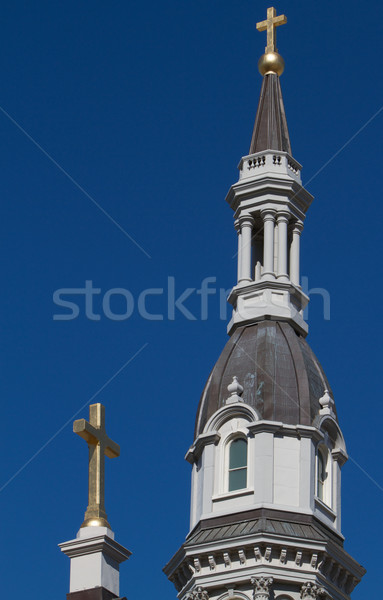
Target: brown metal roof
x=281 y=376
x=261 y=525
x=270 y=127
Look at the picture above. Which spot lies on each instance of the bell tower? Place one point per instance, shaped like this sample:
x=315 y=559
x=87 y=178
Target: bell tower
x=265 y=519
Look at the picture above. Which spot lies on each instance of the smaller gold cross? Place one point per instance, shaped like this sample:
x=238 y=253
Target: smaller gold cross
x=99 y=445
x=270 y=24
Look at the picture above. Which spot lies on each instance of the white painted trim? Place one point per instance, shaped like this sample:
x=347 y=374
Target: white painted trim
x=240 y=434
x=328 y=484
x=324 y=507
x=237 y=410
x=328 y=422
x=235 y=494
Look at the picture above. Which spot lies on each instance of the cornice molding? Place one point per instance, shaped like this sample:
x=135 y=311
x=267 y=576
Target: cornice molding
x=204 y=439
x=100 y=543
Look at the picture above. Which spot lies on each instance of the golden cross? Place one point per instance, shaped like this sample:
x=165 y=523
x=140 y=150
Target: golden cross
x=99 y=445
x=270 y=24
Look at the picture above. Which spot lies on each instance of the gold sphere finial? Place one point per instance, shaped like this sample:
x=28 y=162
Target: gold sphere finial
x=271 y=62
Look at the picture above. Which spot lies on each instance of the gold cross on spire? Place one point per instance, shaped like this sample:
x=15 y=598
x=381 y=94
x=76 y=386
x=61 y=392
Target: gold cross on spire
x=99 y=445
x=270 y=24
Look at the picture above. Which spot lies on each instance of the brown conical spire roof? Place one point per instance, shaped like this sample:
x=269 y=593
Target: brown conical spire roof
x=270 y=127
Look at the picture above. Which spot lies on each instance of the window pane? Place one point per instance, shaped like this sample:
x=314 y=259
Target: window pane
x=238 y=454
x=320 y=490
x=237 y=479
x=322 y=474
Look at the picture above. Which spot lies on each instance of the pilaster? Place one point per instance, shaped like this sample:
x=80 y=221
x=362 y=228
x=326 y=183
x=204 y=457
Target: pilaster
x=311 y=591
x=262 y=587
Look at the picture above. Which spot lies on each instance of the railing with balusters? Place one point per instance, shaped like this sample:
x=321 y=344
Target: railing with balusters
x=280 y=162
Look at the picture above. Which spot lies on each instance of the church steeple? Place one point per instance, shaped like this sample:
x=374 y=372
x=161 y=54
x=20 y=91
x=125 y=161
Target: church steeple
x=270 y=206
x=270 y=128
x=265 y=518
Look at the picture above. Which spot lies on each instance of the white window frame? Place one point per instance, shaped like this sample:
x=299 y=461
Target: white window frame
x=327 y=498
x=232 y=428
x=228 y=443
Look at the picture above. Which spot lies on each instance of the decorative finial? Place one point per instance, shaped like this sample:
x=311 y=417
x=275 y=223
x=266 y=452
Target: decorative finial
x=235 y=390
x=271 y=61
x=99 y=445
x=327 y=404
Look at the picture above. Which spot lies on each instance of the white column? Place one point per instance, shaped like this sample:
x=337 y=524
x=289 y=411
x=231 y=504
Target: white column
x=239 y=254
x=268 y=216
x=208 y=462
x=246 y=223
x=263 y=466
x=295 y=253
x=276 y=241
x=306 y=483
x=282 y=221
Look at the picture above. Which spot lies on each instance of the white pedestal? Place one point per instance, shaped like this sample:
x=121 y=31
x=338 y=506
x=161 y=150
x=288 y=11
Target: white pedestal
x=95 y=560
x=276 y=300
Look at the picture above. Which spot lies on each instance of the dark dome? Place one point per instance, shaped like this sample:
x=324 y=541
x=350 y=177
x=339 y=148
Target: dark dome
x=281 y=376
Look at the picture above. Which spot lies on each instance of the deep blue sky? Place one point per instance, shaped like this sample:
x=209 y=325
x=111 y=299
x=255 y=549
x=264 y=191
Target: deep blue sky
x=149 y=107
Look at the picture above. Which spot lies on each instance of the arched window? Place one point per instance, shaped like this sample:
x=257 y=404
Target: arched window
x=323 y=482
x=237 y=464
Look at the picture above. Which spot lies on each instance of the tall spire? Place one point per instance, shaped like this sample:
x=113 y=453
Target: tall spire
x=270 y=128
